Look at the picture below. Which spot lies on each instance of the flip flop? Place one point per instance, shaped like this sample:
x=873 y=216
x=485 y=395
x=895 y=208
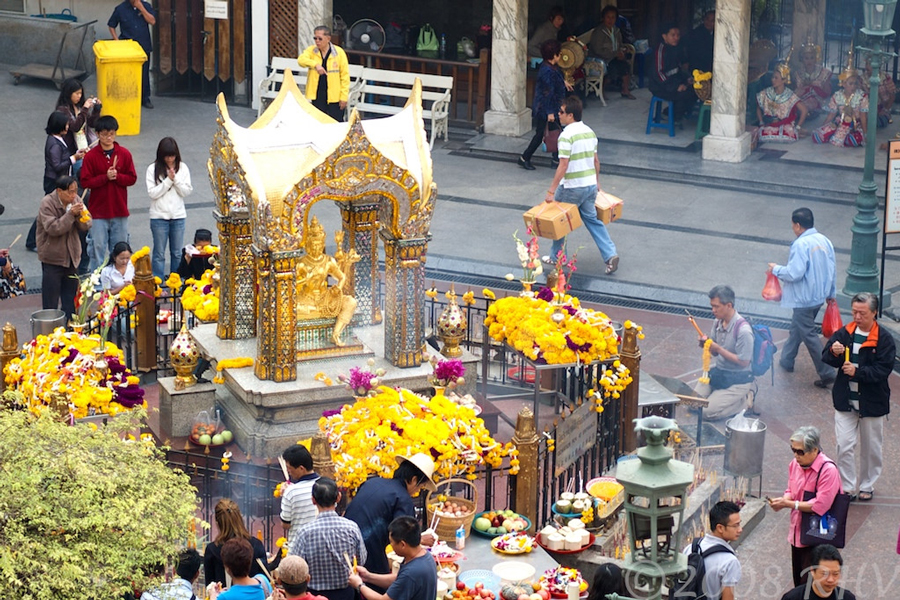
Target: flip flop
x=866 y=496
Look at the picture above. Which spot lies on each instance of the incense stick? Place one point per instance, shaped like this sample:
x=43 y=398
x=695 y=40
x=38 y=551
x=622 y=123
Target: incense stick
x=18 y=237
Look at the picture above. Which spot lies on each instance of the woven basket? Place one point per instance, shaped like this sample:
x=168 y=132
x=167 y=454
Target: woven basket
x=446 y=526
x=705 y=91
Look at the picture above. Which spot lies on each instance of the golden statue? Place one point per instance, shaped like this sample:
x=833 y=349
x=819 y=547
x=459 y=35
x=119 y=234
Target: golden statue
x=315 y=298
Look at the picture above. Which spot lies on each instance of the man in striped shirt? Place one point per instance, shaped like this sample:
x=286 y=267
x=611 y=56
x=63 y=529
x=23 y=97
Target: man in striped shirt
x=297 y=508
x=864 y=357
x=576 y=180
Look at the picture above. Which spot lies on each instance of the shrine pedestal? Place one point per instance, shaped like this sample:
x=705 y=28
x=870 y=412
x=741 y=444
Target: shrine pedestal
x=266 y=416
x=179 y=408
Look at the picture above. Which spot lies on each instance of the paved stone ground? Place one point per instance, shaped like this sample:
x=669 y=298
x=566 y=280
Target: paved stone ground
x=688 y=225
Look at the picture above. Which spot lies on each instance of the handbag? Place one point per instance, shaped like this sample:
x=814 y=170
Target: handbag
x=831 y=322
x=829 y=528
x=428 y=41
x=551 y=138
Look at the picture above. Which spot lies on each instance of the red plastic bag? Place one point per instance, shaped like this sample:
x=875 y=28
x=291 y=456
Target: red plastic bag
x=831 y=322
x=772 y=290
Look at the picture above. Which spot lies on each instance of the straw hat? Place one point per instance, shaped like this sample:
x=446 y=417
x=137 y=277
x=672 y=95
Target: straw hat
x=424 y=463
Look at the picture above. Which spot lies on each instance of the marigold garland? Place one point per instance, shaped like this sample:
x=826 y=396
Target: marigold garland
x=366 y=436
x=201 y=298
x=63 y=363
x=127 y=294
x=706 y=360
x=145 y=251
x=174 y=282
x=230 y=363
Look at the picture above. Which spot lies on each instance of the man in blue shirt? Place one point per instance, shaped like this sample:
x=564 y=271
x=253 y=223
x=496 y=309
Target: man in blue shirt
x=134 y=18
x=808 y=281
x=417 y=578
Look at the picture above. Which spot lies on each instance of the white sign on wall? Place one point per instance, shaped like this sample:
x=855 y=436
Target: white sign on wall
x=892 y=190
x=215 y=9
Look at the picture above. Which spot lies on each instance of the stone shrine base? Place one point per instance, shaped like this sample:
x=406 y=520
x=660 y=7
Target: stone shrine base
x=266 y=417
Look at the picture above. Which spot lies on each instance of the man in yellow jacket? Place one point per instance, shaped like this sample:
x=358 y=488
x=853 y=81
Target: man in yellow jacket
x=330 y=93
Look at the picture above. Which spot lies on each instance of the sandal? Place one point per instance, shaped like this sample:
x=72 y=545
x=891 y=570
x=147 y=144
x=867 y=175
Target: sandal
x=612 y=265
x=866 y=496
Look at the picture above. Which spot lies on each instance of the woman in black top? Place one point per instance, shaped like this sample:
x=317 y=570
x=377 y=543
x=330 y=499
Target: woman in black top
x=230 y=524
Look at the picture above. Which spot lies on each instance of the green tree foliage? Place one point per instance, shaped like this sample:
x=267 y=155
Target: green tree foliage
x=84 y=514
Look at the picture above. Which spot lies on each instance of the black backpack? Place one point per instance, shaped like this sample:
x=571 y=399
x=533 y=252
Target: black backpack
x=689 y=586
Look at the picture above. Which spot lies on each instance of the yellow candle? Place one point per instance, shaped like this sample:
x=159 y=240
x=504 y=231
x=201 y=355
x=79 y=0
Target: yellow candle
x=846 y=354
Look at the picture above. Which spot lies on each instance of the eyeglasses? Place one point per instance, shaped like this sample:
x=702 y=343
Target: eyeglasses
x=318 y=39
x=798 y=451
x=562 y=112
x=737 y=525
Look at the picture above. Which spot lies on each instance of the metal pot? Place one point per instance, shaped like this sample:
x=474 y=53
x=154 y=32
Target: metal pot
x=744 y=450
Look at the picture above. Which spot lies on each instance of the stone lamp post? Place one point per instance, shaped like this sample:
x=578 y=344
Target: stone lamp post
x=862 y=274
x=655 y=499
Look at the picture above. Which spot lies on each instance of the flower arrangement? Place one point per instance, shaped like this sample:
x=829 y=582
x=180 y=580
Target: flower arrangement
x=367 y=436
x=65 y=363
x=447 y=373
x=559 y=333
x=201 y=298
x=529 y=257
x=700 y=77
x=363 y=381
x=174 y=282
x=565 y=267
x=611 y=384
x=87 y=295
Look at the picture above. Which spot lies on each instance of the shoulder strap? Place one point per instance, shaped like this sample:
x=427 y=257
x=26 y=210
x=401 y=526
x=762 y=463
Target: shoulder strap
x=819 y=474
x=737 y=326
x=716 y=549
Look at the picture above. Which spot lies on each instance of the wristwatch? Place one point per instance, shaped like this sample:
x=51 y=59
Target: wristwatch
x=360 y=587
x=796 y=505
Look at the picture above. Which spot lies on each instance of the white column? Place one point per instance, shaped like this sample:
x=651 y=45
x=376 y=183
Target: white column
x=508 y=114
x=728 y=140
x=259 y=50
x=311 y=14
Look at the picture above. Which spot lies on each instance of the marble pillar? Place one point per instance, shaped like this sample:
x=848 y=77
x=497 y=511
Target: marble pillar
x=508 y=114
x=311 y=14
x=728 y=140
x=808 y=24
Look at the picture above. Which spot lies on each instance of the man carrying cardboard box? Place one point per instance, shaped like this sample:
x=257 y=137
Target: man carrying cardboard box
x=576 y=180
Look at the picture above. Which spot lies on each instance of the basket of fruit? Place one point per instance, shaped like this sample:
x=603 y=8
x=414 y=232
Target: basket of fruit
x=492 y=523
x=449 y=513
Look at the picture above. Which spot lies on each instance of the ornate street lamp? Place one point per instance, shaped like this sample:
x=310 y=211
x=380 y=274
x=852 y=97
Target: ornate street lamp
x=862 y=274
x=655 y=499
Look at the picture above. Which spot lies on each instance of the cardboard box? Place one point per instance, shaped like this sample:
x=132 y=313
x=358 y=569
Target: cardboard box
x=609 y=207
x=553 y=220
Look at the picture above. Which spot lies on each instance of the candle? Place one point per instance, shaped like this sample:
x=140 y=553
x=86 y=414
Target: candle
x=846 y=354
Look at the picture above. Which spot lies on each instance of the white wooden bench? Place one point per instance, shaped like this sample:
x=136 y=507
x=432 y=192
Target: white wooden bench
x=394 y=87
x=269 y=86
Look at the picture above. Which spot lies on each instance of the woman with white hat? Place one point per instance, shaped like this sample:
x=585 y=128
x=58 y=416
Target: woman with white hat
x=379 y=501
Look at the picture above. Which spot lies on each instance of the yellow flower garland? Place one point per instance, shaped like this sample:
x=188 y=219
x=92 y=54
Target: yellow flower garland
x=145 y=251
x=127 y=294
x=706 y=360
x=366 y=436
x=230 y=363
x=204 y=305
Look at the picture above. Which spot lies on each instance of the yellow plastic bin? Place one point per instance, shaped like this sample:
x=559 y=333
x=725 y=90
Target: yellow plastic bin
x=119 y=64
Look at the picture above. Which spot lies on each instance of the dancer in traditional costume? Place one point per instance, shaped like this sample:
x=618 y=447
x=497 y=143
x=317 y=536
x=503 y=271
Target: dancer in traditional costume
x=848 y=112
x=812 y=79
x=780 y=111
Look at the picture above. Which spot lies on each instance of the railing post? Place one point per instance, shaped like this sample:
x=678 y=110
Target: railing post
x=527 y=441
x=631 y=358
x=145 y=310
x=320 y=450
x=483 y=70
x=8 y=351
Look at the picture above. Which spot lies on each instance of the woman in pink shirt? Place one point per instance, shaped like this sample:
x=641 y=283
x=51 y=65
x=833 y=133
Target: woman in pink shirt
x=810 y=471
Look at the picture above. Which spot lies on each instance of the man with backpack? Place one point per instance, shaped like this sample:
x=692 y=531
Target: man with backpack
x=808 y=280
x=732 y=386
x=713 y=567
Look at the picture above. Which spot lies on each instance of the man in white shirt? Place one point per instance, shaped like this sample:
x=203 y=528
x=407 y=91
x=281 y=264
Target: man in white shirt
x=297 y=508
x=577 y=179
x=723 y=570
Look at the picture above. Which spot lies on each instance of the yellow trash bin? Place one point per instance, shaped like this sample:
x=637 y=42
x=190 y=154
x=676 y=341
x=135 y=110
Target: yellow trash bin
x=119 y=64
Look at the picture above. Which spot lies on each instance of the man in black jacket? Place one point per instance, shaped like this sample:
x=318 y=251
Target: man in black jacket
x=668 y=80
x=864 y=356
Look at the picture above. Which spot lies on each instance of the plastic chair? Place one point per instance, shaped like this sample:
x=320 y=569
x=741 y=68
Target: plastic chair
x=703 y=120
x=594 y=72
x=654 y=116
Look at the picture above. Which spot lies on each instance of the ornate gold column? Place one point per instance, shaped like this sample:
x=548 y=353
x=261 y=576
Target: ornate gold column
x=404 y=274
x=527 y=441
x=276 y=344
x=630 y=354
x=8 y=351
x=360 y=234
x=320 y=450
x=237 y=288
x=145 y=310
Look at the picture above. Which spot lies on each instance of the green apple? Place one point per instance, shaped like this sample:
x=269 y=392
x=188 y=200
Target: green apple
x=204 y=439
x=227 y=436
x=218 y=439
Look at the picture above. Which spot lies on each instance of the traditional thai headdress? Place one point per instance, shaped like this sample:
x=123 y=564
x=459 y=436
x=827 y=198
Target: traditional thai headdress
x=811 y=47
x=316 y=231
x=783 y=67
x=848 y=71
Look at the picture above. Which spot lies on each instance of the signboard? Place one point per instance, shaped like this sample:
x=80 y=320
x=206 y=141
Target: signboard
x=215 y=9
x=892 y=189
x=575 y=435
